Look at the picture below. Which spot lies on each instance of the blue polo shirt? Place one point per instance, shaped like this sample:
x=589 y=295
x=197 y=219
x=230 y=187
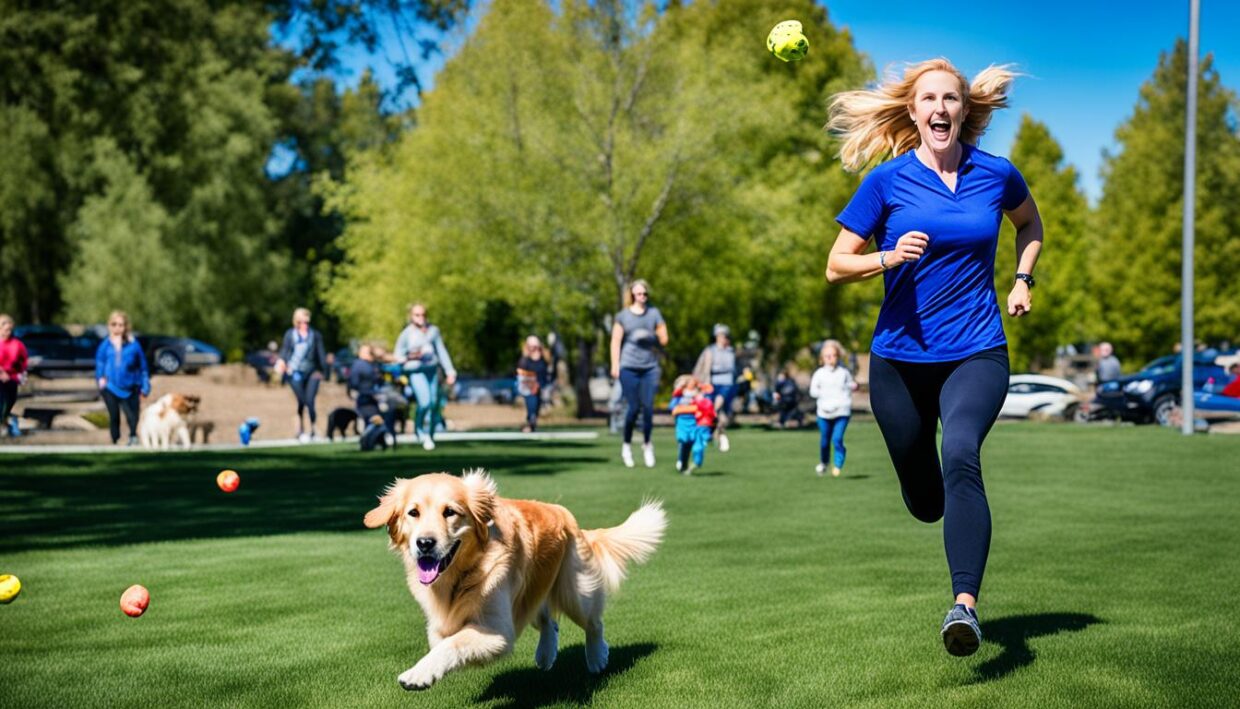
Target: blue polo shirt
x=942 y=307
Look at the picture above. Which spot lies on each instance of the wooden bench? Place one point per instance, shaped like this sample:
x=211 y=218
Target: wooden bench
x=44 y=417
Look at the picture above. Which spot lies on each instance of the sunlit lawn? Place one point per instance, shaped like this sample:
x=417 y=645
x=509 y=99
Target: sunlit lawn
x=1114 y=578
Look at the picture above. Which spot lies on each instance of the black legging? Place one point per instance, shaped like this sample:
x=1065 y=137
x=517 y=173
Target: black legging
x=8 y=397
x=639 y=387
x=908 y=400
x=116 y=405
x=306 y=390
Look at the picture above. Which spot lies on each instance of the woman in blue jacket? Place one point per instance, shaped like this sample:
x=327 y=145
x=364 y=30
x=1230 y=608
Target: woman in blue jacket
x=122 y=374
x=303 y=361
x=939 y=352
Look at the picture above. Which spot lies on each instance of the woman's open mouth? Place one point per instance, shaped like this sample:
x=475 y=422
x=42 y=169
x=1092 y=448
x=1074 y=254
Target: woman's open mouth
x=431 y=566
x=940 y=129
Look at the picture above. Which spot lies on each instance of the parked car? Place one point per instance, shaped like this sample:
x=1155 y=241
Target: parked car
x=1050 y=396
x=169 y=354
x=485 y=390
x=54 y=353
x=1152 y=395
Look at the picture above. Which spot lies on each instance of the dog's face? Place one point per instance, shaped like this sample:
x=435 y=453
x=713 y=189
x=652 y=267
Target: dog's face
x=436 y=518
x=185 y=404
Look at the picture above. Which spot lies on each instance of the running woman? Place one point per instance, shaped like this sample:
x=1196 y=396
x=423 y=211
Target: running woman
x=938 y=353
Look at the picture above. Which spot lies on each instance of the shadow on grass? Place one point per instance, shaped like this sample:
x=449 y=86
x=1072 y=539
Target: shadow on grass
x=567 y=682
x=59 y=501
x=1014 y=632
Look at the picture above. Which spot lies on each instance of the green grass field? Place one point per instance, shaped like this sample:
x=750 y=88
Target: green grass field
x=1114 y=578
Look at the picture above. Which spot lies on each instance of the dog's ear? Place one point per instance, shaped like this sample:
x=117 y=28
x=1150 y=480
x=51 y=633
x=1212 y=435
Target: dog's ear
x=481 y=494
x=386 y=509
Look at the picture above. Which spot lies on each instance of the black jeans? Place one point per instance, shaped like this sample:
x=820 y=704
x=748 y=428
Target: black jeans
x=116 y=405
x=533 y=402
x=909 y=399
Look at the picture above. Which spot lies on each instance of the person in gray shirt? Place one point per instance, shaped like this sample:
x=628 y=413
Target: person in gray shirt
x=717 y=365
x=420 y=351
x=636 y=336
x=1108 y=363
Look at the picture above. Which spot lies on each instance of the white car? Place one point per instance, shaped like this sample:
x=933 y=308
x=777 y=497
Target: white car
x=1050 y=396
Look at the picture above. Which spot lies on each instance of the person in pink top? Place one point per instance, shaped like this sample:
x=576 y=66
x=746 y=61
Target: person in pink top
x=12 y=371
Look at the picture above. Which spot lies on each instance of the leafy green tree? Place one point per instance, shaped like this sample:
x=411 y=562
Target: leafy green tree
x=136 y=134
x=1139 y=219
x=1065 y=308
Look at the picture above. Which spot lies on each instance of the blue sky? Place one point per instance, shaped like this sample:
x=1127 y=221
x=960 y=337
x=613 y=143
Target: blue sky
x=1085 y=60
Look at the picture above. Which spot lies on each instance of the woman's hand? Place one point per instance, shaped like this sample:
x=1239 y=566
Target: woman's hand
x=615 y=372
x=103 y=382
x=281 y=368
x=4 y=376
x=910 y=247
x=1020 y=300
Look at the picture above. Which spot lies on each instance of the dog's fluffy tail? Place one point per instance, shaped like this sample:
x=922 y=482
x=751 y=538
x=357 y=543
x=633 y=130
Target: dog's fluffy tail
x=635 y=540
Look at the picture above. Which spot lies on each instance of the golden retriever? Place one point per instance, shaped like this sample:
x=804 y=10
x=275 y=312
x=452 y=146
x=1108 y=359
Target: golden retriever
x=483 y=567
x=170 y=415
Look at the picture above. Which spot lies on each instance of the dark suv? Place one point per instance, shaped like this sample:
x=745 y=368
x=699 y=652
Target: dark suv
x=54 y=353
x=1153 y=394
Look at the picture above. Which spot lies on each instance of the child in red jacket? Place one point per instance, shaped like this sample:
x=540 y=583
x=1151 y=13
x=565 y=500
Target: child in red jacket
x=695 y=421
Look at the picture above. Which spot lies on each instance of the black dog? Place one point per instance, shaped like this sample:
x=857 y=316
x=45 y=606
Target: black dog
x=341 y=420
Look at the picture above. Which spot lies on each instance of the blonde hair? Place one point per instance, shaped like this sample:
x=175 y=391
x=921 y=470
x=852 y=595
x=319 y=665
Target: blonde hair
x=840 y=354
x=6 y=318
x=684 y=381
x=873 y=122
x=124 y=316
x=301 y=313
x=628 y=291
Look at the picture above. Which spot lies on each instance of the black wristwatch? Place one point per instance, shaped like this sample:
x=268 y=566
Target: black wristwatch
x=1026 y=278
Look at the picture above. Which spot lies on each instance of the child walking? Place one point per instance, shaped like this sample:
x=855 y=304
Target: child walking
x=695 y=421
x=832 y=386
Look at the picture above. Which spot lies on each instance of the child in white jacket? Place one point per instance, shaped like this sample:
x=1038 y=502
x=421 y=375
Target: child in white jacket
x=832 y=386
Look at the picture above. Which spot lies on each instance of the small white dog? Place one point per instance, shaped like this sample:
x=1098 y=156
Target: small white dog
x=170 y=415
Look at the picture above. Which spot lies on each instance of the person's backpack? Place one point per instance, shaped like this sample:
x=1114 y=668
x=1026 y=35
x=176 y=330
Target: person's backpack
x=374 y=436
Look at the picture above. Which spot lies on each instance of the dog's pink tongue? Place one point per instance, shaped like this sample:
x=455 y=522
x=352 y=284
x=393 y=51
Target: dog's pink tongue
x=428 y=571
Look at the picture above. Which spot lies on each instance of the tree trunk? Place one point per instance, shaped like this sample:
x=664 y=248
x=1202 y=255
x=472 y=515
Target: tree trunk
x=585 y=367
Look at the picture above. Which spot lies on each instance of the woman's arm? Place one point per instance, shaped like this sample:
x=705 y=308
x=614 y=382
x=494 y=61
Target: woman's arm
x=441 y=349
x=1028 y=223
x=617 y=338
x=145 y=373
x=660 y=332
x=848 y=261
x=101 y=363
x=321 y=350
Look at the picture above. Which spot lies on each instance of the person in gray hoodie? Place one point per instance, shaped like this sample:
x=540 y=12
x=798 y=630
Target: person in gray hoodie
x=421 y=352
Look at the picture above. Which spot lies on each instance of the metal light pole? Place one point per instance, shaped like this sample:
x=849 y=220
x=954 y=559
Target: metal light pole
x=1186 y=268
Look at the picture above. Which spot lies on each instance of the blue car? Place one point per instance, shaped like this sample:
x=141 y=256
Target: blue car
x=1152 y=395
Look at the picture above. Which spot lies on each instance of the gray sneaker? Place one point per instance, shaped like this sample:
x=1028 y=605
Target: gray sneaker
x=961 y=632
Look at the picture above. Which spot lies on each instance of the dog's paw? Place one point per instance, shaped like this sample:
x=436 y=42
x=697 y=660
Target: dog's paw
x=596 y=656
x=548 y=648
x=420 y=676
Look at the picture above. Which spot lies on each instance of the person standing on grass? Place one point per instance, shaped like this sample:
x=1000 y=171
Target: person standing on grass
x=13 y=361
x=420 y=351
x=832 y=386
x=718 y=366
x=1108 y=364
x=123 y=377
x=636 y=336
x=939 y=352
x=303 y=361
x=534 y=373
